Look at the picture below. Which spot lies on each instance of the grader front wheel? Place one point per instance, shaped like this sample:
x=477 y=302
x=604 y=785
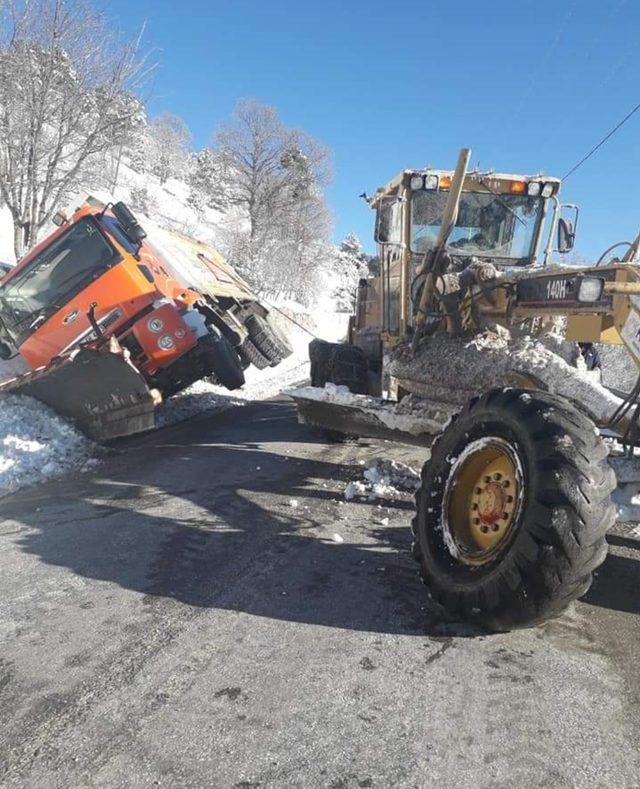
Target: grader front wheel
x=513 y=510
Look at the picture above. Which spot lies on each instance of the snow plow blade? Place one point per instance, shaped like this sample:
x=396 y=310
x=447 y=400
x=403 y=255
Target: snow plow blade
x=98 y=390
x=370 y=417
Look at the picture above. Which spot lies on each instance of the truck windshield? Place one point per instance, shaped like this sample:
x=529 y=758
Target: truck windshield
x=488 y=225
x=53 y=277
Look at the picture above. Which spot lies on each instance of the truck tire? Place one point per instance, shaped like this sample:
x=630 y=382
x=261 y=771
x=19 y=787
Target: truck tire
x=513 y=509
x=253 y=355
x=227 y=369
x=284 y=346
x=263 y=338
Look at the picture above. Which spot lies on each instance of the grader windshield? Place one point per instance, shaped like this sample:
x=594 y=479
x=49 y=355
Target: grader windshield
x=489 y=225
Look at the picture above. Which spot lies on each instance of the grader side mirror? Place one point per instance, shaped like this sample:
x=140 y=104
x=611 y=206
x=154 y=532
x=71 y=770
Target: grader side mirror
x=566 y=236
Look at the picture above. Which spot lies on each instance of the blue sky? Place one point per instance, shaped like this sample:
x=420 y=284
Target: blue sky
x=529 y=85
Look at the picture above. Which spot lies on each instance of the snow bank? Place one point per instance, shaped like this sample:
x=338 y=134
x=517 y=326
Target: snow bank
x=35 y=444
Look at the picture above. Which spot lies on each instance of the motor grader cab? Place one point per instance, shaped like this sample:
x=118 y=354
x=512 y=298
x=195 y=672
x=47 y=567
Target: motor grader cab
x=109 y=324
x=477 y=358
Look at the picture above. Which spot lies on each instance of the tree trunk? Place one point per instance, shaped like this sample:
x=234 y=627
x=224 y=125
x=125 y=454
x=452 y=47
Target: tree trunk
x=18 y=239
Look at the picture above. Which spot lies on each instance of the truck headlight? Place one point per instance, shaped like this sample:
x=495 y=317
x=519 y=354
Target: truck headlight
x=590 y=289
x=165 y=342
x=155 y=325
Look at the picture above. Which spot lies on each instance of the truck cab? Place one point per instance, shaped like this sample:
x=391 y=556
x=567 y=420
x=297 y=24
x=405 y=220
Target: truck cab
x=96 y=277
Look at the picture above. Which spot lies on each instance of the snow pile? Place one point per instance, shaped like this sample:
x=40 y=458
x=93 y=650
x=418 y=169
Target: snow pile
x=383 y=479
x=331 y=393
x=35 y=444
x=452 y=369
x=626 y=496
x=619 y=371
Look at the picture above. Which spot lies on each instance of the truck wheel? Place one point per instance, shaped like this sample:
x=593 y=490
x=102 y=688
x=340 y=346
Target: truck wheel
x=253 y=355
x=513 y=510
x=263 y=338
x=227 y=368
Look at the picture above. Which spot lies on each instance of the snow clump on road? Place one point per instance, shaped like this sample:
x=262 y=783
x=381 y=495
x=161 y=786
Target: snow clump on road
x=35 y=444
x=383 y=479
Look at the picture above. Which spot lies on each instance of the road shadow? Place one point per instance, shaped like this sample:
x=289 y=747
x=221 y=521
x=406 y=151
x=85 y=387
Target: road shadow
x=201 y=514
x=617 y=583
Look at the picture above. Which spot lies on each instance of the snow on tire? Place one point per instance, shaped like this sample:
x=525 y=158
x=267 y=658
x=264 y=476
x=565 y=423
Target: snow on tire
x=513 y=509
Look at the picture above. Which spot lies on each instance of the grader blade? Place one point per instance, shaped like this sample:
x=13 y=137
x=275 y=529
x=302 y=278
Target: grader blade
x=100 y=391
x=370 y=417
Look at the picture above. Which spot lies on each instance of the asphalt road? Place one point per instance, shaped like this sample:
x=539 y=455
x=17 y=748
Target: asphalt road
x=171 y=620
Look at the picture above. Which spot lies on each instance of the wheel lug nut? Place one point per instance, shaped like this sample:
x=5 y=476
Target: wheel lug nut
x=509 y=499
x=496 y=527
x=474 y=506
x=497 y=475
x=505 y=516
x=484 y=529
x=478 y=491
x=476 y=521
x=506 y=483
x=487 y=480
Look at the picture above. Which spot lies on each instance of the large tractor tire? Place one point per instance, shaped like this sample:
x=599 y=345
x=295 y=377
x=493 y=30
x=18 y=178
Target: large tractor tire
x=264 y=339
x=340 y=364
x=227 y=368
x=513 y=510
x=343 y=365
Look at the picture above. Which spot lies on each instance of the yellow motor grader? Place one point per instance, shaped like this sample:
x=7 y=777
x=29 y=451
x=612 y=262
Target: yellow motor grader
x=472 y=343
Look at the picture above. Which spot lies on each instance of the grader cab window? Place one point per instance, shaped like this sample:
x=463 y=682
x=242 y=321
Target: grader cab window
x=488 y=225
x=388 y=223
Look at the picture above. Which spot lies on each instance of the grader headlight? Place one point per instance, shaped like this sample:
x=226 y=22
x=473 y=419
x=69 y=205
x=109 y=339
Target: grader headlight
x=533 y=188
x=590 y=289
x=417 y=182
x=431 y=182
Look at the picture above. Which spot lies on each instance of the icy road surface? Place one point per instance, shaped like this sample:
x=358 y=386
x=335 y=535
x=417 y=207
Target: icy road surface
x=205 y=609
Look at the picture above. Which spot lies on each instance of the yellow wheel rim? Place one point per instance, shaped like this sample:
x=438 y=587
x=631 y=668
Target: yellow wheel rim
x=482 y=500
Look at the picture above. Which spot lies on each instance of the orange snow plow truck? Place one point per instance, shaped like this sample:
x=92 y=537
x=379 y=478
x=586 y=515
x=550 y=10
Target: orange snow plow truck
x=110 y=322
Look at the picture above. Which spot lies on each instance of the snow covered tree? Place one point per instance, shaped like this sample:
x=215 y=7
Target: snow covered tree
x=274 y=177
x=207 y=179
x=349 y=264
x=169 y=138
x=66 y=97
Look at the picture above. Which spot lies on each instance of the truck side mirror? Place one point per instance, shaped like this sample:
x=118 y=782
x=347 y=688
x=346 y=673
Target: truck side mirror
x=566 y=236
x=5 y=351
x=130 y=225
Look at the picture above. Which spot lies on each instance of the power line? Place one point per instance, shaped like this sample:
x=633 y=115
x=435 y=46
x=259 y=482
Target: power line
x=602 y=142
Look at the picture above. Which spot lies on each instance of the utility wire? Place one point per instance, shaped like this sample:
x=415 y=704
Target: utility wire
x=602 y=142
